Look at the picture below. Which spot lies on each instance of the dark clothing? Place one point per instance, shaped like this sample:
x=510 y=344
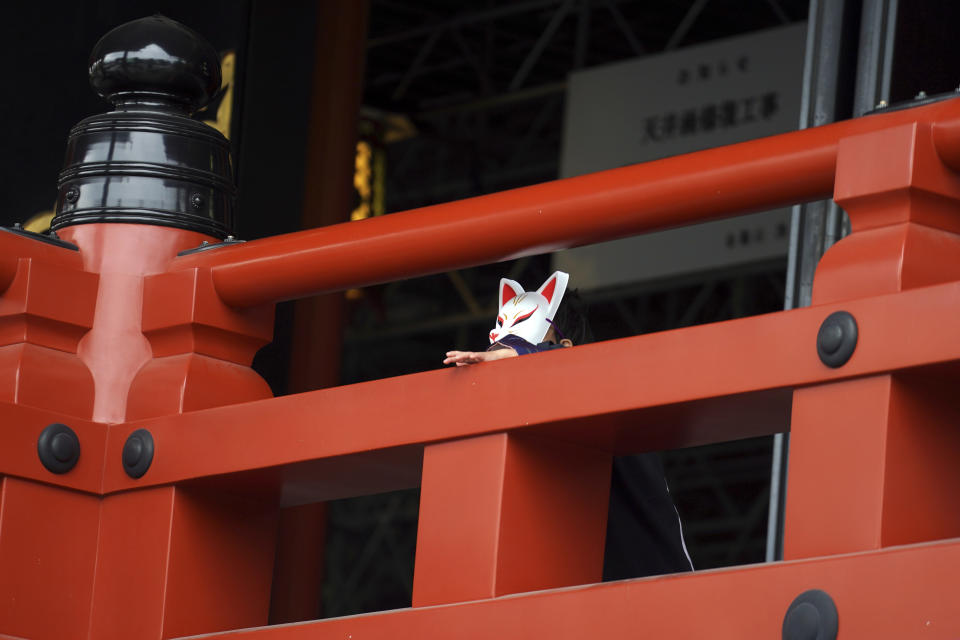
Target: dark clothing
x=521 y=346
x=644 y=535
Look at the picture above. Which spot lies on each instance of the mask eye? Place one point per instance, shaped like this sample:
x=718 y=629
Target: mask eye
x=499 y=321
x=524 y=317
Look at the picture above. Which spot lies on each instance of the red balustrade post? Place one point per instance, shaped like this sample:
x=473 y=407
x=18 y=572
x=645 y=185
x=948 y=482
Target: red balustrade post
x=873 y=460
x=298 y=571
x=506 y=514
x=48 y=545
x=46 y=577
x=176 y=561
x=92 y=327
x=116 y=341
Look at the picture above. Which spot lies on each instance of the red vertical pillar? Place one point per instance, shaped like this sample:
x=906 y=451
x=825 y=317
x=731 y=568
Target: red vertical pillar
x=299 y=565
x=872 y=461
x=47 y=304
x=84 y=334
x=328 y=179
x=46 y=577
x=176 y=561
x=318 y=322
x=506 y=514
x=160 y=562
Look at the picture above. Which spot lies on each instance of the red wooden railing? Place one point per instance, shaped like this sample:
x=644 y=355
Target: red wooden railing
x=123 y=335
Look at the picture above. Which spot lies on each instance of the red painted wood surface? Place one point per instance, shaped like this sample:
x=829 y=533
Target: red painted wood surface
x=45 y=311
x=177 y=561
x=48 y=551
x=81 y=341
x=905 y=592
x=298 y=570
x=505 y=514
x=872 y=460
x=882 y=468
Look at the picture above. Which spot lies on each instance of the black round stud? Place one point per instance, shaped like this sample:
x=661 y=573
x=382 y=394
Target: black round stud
x=837 y=339
x=58 y=447
x=138 y=453
x=811 y=616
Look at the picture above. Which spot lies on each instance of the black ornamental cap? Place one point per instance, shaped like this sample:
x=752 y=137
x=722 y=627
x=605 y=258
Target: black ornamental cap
x=147 y=161
x=155 y=61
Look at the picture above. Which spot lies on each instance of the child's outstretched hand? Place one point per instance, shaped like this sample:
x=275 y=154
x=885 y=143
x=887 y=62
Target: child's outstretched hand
x=461 y=358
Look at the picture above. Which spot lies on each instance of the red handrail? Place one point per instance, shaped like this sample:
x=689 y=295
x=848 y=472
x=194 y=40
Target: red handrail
x=750 y=176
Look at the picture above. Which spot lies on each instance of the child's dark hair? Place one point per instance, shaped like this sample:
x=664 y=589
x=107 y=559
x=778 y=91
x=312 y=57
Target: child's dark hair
x=571 y=318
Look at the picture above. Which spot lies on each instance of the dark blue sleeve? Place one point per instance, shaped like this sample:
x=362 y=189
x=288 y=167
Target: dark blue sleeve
x=547 y=346
x=522 y=347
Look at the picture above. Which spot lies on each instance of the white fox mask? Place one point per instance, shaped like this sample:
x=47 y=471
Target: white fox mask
x=527 y=314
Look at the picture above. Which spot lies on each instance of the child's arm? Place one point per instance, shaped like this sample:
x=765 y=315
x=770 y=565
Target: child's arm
x=461 y=358
x=508 y=347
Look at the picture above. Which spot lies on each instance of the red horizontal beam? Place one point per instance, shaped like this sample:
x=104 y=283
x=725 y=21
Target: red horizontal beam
x=677 y=388
x=905 y=592
x=751 y=176
x=655 y=391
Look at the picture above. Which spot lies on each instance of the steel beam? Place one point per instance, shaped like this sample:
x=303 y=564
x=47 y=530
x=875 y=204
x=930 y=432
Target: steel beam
x=465 y=19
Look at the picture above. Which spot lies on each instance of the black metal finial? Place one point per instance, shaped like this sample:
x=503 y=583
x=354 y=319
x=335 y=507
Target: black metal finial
x=154 y=61
x=147 y=162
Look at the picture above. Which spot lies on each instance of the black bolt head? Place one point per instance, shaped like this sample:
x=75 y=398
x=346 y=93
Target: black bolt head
x=811 y=616
x=802 y=622
x=63 y=447
x=830 y=338
x=837 y=339
x=132 y=452
x=58 y=447
x=138 y=453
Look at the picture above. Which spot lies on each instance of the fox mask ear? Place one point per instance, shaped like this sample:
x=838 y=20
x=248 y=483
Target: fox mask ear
x=509 y=289
x=548 y=288
x=553 y=289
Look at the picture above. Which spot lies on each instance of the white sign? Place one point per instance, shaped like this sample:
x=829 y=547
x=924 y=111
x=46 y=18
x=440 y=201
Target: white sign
x=695 y=98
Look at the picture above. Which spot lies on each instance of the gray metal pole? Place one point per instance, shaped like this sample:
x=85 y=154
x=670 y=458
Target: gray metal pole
x=816 y=226
x=875 y=61
x=828 y=69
